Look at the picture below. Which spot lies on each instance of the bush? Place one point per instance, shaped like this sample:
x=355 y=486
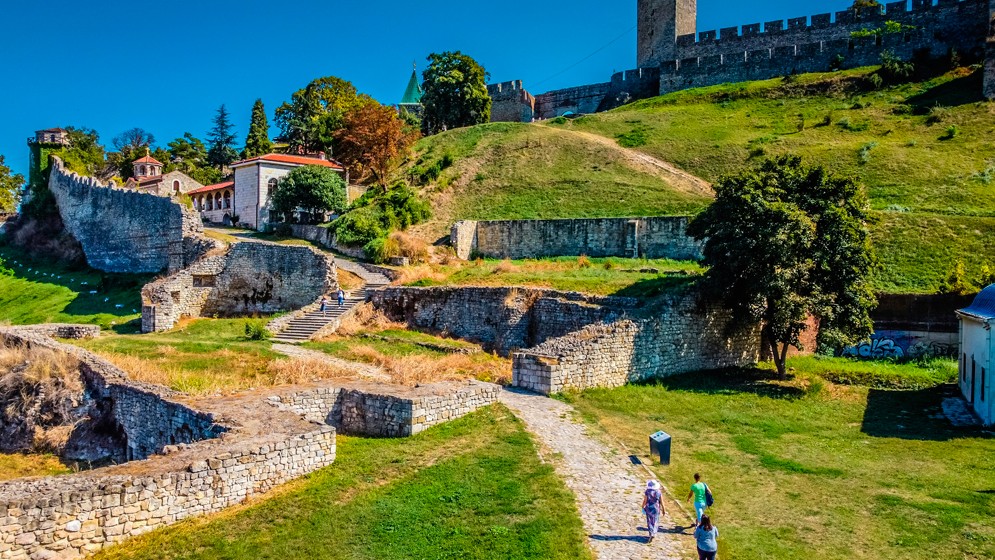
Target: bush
x=865 y=152
x=414 y=249
x=937 y=115
x=380 y=249
x=256 y=331
x=952 y=132
x=359 y=226
x=583 y=262
x=894 y=70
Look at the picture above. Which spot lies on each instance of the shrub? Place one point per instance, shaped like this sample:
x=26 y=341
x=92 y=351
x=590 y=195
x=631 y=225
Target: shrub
x=256 y=331
x=408 y=246
x=559 y=120
x=957 y=282
x=952 y=132
x=837 y=62
x=381 y=249
x=359 y=227
x=583 y=262
x=865 y=152
x=937 y=114
x=894 y=70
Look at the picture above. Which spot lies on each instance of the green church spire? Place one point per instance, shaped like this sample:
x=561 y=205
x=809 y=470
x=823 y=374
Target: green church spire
x=412 y=94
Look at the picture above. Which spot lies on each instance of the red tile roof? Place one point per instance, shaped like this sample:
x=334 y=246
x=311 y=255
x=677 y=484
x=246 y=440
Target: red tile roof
x=287 y=158
x=148 y=159
x=217 y=187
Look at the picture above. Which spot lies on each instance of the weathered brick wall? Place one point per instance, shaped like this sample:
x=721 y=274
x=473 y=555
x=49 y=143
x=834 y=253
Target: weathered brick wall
x=678 y=337
x=502 y=319
x=250 y=278
x=659 y=237
x=126 y=231
x=388 y=411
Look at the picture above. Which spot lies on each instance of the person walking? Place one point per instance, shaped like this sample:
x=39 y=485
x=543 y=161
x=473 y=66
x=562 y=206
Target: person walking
x=706 y=536
x=653 y=507
x=324 y=305
x=341 y=295
x=698 y=491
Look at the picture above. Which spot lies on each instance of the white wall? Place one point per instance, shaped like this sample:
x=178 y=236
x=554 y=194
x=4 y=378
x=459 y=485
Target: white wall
x=247 y=195
x=975 y=356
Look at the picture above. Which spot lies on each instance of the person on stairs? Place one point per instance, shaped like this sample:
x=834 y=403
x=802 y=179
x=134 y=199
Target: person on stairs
x=341 y=295
x=653 y=507
x=324 y=305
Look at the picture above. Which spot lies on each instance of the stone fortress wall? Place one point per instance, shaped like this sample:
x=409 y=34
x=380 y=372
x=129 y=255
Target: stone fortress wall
x=127 y=231
x=672 y=55
x=193 y=457
x=562 y=341
x=250 y=278
x=652 y=238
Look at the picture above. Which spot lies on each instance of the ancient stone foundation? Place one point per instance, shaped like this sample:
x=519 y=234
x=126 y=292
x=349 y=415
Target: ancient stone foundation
x=127 y=231
x=565 y=341
x=652 y=238
x=248 y=279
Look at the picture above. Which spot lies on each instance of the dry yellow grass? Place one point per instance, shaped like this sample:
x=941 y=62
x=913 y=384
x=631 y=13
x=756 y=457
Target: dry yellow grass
x=349 y=281
x=364 y=318
x=418 y=369
x=296 y=371
x=417 y=273
x=41 y=364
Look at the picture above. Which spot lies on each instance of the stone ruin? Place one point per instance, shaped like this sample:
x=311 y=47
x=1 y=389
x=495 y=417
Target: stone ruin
x=187 y=456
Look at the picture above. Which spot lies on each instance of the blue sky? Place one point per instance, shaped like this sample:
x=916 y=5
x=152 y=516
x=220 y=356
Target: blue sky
x=167 y=66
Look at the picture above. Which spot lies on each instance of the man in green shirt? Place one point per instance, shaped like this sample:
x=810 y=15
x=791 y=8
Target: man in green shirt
x=698 y=493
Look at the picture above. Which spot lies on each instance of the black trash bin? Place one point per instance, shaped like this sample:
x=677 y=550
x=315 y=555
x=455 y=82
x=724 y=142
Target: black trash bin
x=660 y=445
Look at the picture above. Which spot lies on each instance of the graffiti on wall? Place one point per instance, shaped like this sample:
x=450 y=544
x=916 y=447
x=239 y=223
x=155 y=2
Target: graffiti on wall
x=904 y=344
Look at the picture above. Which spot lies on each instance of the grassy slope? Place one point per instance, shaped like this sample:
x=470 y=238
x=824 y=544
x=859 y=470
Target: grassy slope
x=473 y=488
x=806 y=469
x=932 y=196
x=53 y=293
x=17 y=465
x=506 y=170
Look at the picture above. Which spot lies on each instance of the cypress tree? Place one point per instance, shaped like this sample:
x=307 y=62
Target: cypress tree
x=257 y=143
x=222 y=138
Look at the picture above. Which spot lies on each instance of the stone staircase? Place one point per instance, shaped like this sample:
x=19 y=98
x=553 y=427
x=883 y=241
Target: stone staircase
x=304 y=328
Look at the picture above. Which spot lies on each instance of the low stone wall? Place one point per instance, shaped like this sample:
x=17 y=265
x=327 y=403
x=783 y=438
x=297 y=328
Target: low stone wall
x=62 y=330
x=388 y=411
x=127 y=231
x=73 y=515
x=250 y=278
x=324 y=237
x=564 y=341
x=678 y=337
x=653 y=238
x=501 y=319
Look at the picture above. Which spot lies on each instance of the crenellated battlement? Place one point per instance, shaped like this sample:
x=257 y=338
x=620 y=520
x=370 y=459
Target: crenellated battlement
x=830 y=25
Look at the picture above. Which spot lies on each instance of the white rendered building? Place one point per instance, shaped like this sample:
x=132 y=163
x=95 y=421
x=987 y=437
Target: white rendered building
x=256 y=180
x=976 y=355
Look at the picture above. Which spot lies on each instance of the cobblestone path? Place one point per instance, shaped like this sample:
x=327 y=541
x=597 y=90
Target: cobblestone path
x=362 y=370
x=608 y=487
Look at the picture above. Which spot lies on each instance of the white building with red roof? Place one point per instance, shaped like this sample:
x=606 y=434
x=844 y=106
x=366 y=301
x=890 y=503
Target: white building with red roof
x=216 y=203
x=256 y=180
x=149 y=178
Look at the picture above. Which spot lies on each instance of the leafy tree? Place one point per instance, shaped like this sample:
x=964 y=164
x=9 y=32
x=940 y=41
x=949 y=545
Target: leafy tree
x=133 y=144
x=189 y=155
x=257 y=143
x=371 y=142
x=783 y=242
x=312 y=188
x=866 y=6
x=84 y=154
x=455 y=93
x=308 y=123
x=10 y=188
x=222 y=152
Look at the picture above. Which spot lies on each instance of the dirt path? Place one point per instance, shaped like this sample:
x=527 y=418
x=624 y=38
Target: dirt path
x=673 y=175
x=608 y=486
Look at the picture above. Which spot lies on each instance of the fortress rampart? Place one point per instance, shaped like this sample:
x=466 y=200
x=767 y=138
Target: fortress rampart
x=672 y=57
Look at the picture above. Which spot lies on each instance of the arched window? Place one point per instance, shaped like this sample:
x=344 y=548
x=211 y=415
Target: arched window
x=176 y=187
x=270 y=188
x=141 y=170
x=227 y=200
x=217 y=201
x=210 y=203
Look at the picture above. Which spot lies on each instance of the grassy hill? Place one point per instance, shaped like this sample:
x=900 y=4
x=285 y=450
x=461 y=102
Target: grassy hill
x=923 y=150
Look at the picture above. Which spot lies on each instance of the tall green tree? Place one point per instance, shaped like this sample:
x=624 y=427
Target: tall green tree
x=784 y=242
x=222 y=151
x=309 y=121
x=257 y=143
x=314 y=189
x=10 y=187
x=84 y=154
x=455 y=93
x=189 y=155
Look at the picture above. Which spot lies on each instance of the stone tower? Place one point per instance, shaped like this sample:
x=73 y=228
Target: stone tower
x=660 y=22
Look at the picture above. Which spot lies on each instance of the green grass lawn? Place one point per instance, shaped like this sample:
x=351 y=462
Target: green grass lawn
x=641 y=278
x=922 y=150
x=809 y=469
x=473 y=488
x=17 y=465
x=40 y=291
x=198 y=357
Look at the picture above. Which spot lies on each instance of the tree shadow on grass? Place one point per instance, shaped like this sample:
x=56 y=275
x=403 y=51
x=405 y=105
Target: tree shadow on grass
x=956 y=92
x=653 y=287
x=757 y=381
x=914 y=415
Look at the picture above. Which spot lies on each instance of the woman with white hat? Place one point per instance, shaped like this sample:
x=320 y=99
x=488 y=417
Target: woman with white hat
x=653 y=507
